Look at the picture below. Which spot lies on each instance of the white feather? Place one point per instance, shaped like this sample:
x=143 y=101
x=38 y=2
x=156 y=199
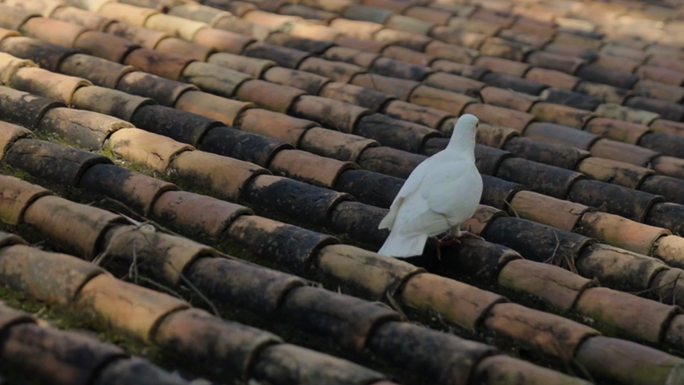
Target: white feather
x=439 y=195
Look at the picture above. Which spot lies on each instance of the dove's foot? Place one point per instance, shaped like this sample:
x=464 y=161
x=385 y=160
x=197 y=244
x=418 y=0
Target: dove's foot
x=446 y=240
x=468 y=234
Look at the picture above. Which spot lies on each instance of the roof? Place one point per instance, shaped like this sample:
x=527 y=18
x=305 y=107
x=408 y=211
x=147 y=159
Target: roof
x=204 y=183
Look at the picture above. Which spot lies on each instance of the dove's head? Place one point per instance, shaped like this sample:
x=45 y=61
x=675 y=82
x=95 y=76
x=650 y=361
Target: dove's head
x=465 y=134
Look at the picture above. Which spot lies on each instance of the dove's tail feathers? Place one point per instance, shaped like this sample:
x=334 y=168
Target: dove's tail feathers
x=402 y=246
x=388 y=221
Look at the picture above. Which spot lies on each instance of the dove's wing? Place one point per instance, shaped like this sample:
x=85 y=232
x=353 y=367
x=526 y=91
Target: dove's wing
x=411 y=185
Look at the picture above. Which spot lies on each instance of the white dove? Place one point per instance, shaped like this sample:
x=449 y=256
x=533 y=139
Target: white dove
x=439 y=195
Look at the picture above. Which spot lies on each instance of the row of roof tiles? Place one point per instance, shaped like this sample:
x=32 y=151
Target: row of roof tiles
x=54 y=174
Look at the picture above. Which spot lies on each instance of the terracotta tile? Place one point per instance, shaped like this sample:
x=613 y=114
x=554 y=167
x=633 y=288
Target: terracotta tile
x=505 y=98
x=197 y=12
x=275 y=125
x=409 y=345
x=211 y=106
x=620 y=232
x=614 y=113
x=623 y=152
x=623 y=52
x=184 y=48
x=293 y=363
x=451 y=52
x=134 y=309
x=164 y=91
x=89 y=20
x=661 y=75
x=639 y=317
x=17 y=196
x=488 y=159
x=502 y=65
x=274 y=97
x=166 y=65
x=655 y=90
x=541 y=178
x=439 y=17
x=420 y=292
x=505 y=49
x=553 y=78
x=524 y=38
x=577 y=40
x=409 y=24
x=396 y=6
x=441 y=99
x=337 y=71
x=360 y=44
x=47 y=55
x=48 y=84
x=74 y=227
x=243 y=285
x=363 y=30
x=453 y=83
x=568 y=25
x=667 y=286
x=145 y=37
x=398 y=134
x=223 y=41
x=457 y=25
x=44 y=29
x=5 y=33
x=668 y=165
x=8 y=316
x=493 y=136
x=101 y=72
x=497 y=192
x=329 y=113
x=308 y=167
x=666 y=186
x=667 y=126
x=313 y=46
x=346 y=319
x=665 y=62
x=509 y=232
x=355 y=56
x=43 y=8
x=50 y=161
x=177 y=26
x=570 y=98
x=360 y=96
x=564 y=115
x=500 y=116
x=10 y=64
x=544 y=332
x=293 y=198
x=364 y=270
x=335 y=145
x=137 y=191
x=307 y=12
x=616 y=129
x=669 y=250
x=315 y=31
x=664 y=143
x=126 y=13
x=613 y=199
x=484 y=14
x=271 y=20
x=286 y=57
x=106 y=46
x=497 y=367
x=472 y=72
x=364 y=13
x=268 y=238
x=109 y=102
x=425 y=116
x=620 y=173
x=409 y=56
x=234 y=27
x=538 y=29
x=514 y=83
x=49 y=353
x=138 y=146
x=549 y=211
x=552 y=61
x=478 y=223
x=84 y=129
x=250 y=66
x=604 y=92
x=571 y=51
x=400 y=88
x=390 y=161
x=21 y=269
x=403 y=39
x=163 y=256
x=179 y=125
x=547 y=152
x=213 y=341
x=666 y=110
x=666 y=215
x=611 y=77
x=242 y=145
